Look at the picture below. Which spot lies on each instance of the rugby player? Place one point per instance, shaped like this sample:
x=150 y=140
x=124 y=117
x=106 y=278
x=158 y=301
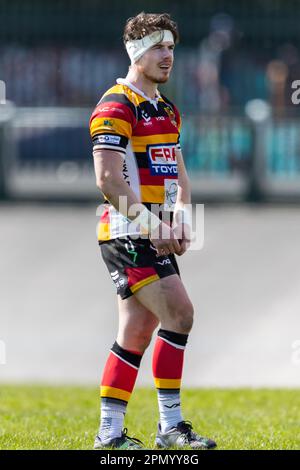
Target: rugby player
x=137 y=157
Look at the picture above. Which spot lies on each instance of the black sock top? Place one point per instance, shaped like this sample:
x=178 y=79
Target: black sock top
x=176 y=338
x=132 y=358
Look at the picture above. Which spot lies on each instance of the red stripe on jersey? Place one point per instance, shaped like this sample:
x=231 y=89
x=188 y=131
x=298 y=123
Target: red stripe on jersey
x=156 y=127
x=118 y=374
x=154 y=180
x=113 y=109
x=105 y=217
x=167 y=362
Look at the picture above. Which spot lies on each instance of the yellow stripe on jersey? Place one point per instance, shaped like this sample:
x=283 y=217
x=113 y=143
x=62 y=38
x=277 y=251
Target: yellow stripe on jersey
x=139 y=143
x=103 y=231
x=106 y=124
x=155 y=194
x=130 y=94
x=115 y=89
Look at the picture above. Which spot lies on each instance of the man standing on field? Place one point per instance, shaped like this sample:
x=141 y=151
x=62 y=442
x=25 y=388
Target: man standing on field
x=137 y=156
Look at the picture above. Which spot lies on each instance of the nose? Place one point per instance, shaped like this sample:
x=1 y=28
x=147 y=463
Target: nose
x=167 y=53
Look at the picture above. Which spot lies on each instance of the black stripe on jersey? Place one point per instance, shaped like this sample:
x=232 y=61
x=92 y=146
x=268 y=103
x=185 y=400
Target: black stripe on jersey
x=161 y=108
x=147 y=109
x=158 y=209
x=119 y=98
x=142 y=159
x=123 y=140
x=168 y=102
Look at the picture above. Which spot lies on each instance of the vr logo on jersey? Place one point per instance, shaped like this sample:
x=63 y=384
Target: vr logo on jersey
x=162 y=159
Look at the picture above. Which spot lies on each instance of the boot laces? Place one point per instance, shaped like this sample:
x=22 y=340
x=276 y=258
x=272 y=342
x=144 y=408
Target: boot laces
x=132 y=439
x=185 y=427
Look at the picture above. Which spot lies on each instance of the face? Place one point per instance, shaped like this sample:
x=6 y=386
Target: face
x=156 y=64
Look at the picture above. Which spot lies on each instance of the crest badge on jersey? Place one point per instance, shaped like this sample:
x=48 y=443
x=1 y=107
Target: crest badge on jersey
x=171 y=115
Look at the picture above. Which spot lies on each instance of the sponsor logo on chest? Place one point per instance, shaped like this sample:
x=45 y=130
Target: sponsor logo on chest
x=162 y=159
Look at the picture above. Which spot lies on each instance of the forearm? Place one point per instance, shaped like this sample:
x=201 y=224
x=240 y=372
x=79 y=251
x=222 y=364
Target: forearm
x=183 y=193
x=182 y=212
x=184 y=186
x=122 y=197
x=110 y=181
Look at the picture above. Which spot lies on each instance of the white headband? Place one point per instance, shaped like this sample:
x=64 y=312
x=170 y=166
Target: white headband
x=138 y=47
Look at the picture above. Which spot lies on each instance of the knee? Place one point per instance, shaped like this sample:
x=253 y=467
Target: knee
x=139 y=336
x=185 y=316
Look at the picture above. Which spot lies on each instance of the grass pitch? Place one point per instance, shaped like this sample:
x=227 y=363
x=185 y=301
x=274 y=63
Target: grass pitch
x=40 y=417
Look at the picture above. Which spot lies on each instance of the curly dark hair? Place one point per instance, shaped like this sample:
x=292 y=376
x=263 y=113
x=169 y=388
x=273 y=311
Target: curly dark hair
x=146 y=23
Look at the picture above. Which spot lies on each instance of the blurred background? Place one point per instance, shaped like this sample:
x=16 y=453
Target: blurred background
x=235 y=83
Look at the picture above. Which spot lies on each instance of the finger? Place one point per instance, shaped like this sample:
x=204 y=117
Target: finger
x=175 y=246
x=179 y=253
x=165 y=251
x=183 y=248
x=162 y=249
x=162 y=253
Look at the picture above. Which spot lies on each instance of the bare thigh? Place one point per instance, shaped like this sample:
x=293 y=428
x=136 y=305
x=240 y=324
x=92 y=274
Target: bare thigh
x=168 y=300
x=136 y=324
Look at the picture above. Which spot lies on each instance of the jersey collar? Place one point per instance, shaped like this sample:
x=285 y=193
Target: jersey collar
x=123 y=81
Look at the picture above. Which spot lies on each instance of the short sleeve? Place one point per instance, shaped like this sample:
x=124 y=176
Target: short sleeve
x=111 y=124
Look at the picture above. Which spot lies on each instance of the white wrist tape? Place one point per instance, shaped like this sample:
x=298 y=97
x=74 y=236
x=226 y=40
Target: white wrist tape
x=138 y=47
x=147 y=221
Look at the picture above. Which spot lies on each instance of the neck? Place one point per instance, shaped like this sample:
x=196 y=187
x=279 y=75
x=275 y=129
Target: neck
x=142 y=83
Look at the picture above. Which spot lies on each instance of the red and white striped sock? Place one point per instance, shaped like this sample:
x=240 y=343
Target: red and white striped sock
x=167 y=365
x=117 y=383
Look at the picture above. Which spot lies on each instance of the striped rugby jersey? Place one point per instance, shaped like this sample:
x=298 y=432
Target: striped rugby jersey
x=146 y=132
